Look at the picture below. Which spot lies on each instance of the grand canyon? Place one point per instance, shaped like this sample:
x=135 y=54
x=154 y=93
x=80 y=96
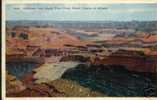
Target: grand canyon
x=81 y=59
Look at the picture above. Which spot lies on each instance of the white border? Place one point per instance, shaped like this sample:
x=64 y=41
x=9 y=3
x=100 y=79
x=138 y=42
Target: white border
x=80 y=1
x=62 y=2
x=3 y=50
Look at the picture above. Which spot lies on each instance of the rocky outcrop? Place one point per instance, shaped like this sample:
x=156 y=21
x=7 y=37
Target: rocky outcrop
x=13 y=85
x=38 y=90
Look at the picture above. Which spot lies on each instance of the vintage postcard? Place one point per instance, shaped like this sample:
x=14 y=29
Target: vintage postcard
x=79 y=49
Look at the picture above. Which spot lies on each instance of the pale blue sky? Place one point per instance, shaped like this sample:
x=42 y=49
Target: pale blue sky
x=114 y=12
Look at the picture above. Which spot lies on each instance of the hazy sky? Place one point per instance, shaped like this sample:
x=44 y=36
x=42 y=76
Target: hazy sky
x=95 y=12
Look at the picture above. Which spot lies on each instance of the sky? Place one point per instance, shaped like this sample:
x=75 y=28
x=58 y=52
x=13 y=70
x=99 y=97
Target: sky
x=82 y=12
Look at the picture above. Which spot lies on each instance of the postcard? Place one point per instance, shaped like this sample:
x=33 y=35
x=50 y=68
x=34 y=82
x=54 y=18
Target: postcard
x=79 y=49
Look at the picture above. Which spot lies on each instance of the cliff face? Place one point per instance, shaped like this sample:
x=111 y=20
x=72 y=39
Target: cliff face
x=132 y=63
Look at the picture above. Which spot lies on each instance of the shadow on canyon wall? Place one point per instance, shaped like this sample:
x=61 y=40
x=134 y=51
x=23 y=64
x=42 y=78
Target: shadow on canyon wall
x=113 y=80
x=20 y=69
